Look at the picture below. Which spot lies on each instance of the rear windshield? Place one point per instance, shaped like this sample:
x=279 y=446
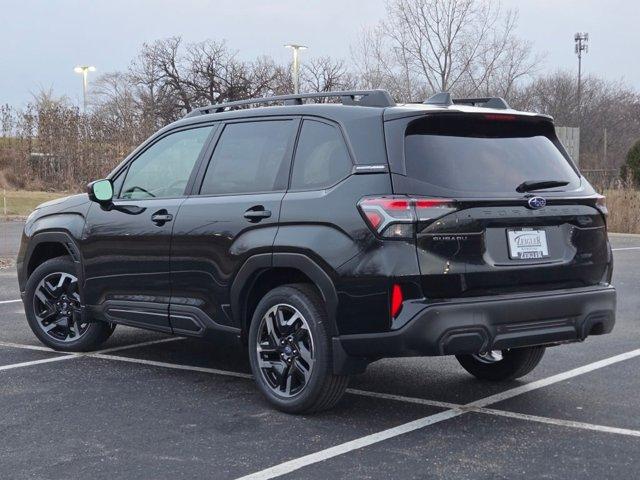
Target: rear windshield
x=483 y=154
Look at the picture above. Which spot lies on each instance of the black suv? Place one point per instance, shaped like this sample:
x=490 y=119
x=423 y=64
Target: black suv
x=325 y=236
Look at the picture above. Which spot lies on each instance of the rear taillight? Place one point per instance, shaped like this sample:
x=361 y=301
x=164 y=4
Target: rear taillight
x=601 y=203
x=395 y=216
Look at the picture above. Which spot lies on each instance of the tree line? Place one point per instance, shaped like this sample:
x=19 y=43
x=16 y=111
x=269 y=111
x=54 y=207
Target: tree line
x=468 y=47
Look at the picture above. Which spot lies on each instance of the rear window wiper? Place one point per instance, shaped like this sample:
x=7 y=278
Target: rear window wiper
x=531 y=185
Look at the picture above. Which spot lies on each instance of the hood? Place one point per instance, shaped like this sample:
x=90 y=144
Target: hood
x=69 y=201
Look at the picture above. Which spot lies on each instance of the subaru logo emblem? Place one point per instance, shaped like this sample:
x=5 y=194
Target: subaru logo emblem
x=537 y=202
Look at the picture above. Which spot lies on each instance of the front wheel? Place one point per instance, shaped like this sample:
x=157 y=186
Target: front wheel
x=290 y=351
x=502 y=365
x=52 y=305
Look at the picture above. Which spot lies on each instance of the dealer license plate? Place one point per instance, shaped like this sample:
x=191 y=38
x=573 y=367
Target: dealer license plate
x=527 y=244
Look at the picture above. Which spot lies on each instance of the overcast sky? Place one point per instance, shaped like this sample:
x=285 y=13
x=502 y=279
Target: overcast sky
x=42 y=40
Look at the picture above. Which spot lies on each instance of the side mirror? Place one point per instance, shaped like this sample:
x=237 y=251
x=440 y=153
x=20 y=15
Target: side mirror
x=101 y=191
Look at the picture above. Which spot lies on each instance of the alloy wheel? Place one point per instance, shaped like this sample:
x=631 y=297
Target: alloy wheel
x=56 y=304
x=285 y=350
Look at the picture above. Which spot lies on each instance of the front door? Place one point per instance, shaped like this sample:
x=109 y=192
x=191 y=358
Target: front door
x=232 y=215
x=126 y=247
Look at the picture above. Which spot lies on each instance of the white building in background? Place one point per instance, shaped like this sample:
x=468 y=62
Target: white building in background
x=570 y=138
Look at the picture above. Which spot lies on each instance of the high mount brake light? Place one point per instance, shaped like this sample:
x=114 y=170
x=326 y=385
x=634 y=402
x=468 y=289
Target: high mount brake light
x=500 y=117
x=396 y=216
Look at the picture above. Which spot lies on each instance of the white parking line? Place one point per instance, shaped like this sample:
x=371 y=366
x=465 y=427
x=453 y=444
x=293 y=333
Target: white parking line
x=557 y=422
x=39 y=348
x=625 y=248
x=292 y=465
x=67 y=355
x=175 y=366
x=295 y=464
x=135 y=345
x=9 y=301
x=453 y=409
x=527 y=387
x=37 y=362
x=402 y=398
x=470 y=407
x=501 y=413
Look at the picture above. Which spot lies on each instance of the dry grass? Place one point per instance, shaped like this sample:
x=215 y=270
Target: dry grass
x=22 y=202
x=624 y=210
x=6 y=263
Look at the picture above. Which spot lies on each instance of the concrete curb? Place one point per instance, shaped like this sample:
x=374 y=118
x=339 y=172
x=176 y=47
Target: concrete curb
x=616 y=234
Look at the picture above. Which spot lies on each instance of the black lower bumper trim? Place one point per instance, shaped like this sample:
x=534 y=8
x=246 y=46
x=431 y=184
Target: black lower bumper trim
x=479 y=325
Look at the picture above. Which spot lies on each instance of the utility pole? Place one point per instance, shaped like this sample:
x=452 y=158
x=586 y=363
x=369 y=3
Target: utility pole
x=296 y=65
x=604 y=149
x=84 y=71
x=581 y=41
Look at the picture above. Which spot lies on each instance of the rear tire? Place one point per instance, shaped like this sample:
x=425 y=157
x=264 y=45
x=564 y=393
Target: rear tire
x=515 y=363
x=290 y=351
x=52 y=303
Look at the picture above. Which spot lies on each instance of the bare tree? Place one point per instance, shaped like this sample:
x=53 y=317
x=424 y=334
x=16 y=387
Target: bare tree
x=465 y=46
x=325 y=74
x=156 y=101
x=609 y=105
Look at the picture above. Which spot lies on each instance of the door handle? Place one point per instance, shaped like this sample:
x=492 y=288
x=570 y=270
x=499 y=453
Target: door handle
x=257 y=213
x=161 y=217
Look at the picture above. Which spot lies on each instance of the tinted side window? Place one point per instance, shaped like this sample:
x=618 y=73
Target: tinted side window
x=321 y=158
x=163 y=170
x=250 y=157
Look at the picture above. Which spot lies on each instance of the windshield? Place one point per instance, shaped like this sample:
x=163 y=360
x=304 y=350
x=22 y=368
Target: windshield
x=484 y=154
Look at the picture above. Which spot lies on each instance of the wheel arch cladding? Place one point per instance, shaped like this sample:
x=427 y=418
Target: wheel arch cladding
x=47 y=245
x=263 y=272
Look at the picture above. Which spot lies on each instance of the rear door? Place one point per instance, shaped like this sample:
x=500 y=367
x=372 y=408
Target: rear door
x=232 y=214
x=497 y=239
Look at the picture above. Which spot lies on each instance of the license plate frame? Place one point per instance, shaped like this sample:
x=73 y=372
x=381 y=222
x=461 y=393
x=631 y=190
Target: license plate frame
x=527 y=244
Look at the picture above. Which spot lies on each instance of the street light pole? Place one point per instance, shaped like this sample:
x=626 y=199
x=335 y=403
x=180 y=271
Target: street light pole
x=84 y=71
x=296 y=65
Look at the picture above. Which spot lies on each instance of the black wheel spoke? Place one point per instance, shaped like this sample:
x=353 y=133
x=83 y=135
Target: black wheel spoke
x=285 y=350
x=305 y=354
x=273 y=333
x=49 y=289
x=49 y=327
x=267 y=349
x=56 y=304
x=285 y=379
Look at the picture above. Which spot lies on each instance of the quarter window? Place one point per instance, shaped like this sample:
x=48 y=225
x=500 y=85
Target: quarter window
x=163 y=170
x=321 y=159
x=250 y=157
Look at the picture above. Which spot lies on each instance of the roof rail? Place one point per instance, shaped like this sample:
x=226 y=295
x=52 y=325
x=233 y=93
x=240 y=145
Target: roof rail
x=444 y=99
x=365 y=98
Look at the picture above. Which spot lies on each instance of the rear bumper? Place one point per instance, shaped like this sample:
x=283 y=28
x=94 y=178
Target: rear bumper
x=492 y=323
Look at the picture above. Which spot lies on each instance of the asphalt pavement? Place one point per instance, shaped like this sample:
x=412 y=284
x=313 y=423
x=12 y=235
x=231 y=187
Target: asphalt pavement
x=149 y=406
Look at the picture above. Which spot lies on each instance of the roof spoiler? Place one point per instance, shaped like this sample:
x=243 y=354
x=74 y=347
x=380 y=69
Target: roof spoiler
x=445 y=99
